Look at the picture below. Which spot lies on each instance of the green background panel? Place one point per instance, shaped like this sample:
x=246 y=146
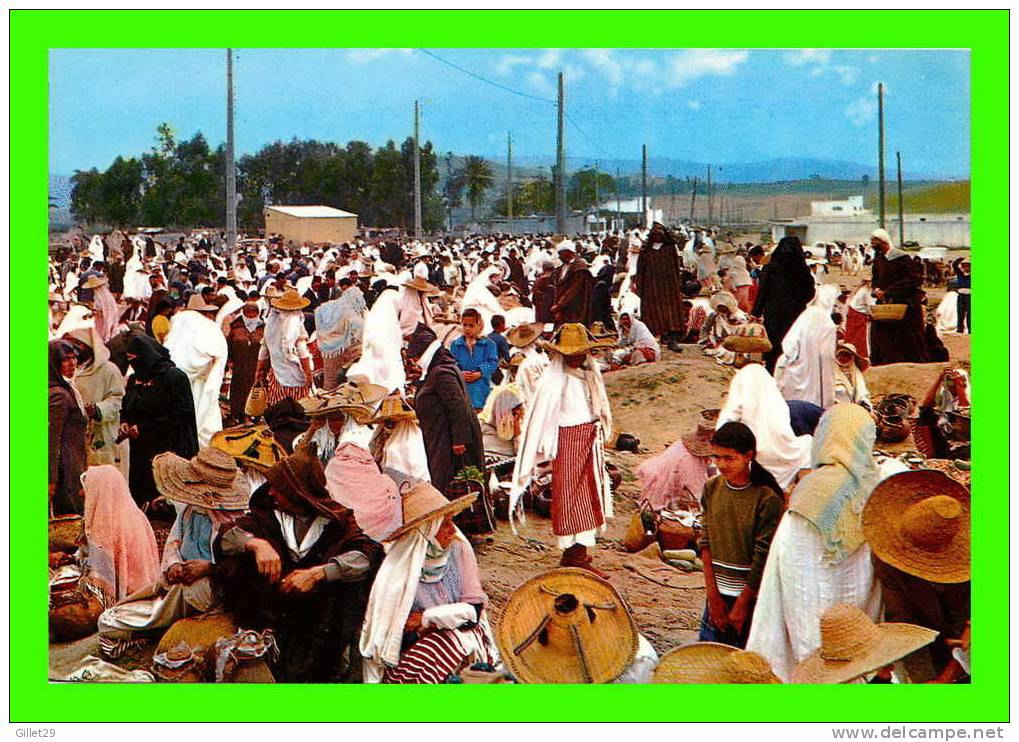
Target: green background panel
x=32 y=33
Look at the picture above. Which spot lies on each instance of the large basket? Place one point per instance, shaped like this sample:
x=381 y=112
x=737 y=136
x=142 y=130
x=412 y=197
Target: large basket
x=888 y=312
x=257 y=401
x=67 y=533
x=748 y=338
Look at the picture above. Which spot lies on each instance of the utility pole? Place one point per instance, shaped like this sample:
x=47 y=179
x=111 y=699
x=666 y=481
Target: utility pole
x=231 y=170
x=417 y=171
x=449 y=192
x=881 y=154
x=619 y=204
x=902 y=223
x=509 y=181
x=672 y=199
x=709 y=196
x=643 y=185
x=560 y=169
x=693 y=199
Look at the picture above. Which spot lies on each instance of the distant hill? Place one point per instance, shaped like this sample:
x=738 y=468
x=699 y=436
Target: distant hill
x=938 y=198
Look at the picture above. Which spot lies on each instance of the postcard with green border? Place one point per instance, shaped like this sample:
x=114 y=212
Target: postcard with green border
x=34 y=33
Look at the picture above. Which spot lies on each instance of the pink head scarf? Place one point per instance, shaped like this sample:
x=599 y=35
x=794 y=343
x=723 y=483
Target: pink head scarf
x=122 y=553
x=353 y=479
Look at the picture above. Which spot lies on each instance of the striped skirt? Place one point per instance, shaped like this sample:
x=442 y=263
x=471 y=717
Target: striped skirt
x=434 y=657
x=576 y=502
x=276 y=391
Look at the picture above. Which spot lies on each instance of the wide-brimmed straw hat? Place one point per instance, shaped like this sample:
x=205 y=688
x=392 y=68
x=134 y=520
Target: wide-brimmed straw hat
x=423 y=502
x=209 y=480
x=710 y=662
x=698 y=442
x=394 y=408
x=567 y=626
x=859 y=360
x=598 y=331
x=252 y=445
x=523 y=335
x=94 y=282
x=919 y=522
x=356 y=397
x=723 y=299
x=198 y=304
x=419 y=284
x=289 y=301
x=852 y=645
x=574 y=339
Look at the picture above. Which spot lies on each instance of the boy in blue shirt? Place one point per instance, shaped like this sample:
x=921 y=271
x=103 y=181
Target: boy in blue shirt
x=476 y=357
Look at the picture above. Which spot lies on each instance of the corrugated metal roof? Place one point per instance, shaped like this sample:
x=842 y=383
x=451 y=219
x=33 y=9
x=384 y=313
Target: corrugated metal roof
x=311 y=212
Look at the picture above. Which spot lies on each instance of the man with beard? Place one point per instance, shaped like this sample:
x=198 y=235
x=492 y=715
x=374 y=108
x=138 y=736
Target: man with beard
x=659 y=284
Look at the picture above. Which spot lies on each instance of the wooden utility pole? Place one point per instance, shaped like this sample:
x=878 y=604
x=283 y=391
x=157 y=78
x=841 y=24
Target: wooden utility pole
x=643 y=185
x=693 y=199
x=619 y=204
x=231 y=169
x=560 y=168
x=709 y=197
x=881 y=154
x=902 y=223
x=597 y=198
x=417 y=171
x=449 y=178
x=509 y=182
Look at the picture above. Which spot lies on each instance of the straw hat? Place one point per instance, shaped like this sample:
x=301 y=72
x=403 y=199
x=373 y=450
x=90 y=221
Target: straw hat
x=209 y=480
x=419 y=284
x=699 y=441
x=423 y=502
x=356 y=398
x=860 y=361
x=252 y=445
x=709 y=662
x=748 y=338
x=574 y=339
x=724 y=299
x=567 y=626
x=919 y=522
x=197 y=304
x=94 y=282
x=852 y=645
x=394 y=408
x=523 y=335
x=289 y=301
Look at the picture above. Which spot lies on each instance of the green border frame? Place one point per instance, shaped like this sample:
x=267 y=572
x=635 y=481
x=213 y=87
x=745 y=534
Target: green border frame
x=34 y=699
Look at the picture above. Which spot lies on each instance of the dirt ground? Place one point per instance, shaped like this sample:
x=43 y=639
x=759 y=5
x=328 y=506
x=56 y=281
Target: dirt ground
x=656 y=403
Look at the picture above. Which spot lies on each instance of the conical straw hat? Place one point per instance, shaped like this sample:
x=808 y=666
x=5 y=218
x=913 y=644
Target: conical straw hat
x=253 y=445
x=919 y=522
x=710 y=662
x=423 y=502
x=209 y=480
x=290 y=300
x=852 y=645
x=574 y=339
x=567 y=626
x=394 y=408
x=523 y=335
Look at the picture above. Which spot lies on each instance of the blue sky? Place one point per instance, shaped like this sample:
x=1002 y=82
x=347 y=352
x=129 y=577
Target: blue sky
x=707 y=105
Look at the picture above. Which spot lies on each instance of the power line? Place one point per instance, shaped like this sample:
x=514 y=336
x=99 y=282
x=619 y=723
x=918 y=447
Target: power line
x=485 y=79
x=587 y=136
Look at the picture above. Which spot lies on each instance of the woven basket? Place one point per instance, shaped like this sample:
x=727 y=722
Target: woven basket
x=748 y=338
x=674 y=535
x=888 y=312
x=67 y=533
x=257 y=401
x=74 y=615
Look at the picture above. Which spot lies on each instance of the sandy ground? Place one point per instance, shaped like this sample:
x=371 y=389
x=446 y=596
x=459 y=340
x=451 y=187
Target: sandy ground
x=656 y=403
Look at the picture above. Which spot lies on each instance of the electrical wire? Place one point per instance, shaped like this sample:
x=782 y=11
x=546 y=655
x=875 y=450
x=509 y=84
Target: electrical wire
x=485 y=79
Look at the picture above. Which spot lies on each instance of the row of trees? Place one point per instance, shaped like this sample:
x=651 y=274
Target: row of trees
x=180 y=183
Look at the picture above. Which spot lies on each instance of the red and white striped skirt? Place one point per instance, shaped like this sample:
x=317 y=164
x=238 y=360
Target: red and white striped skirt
x=432 y=659
x=576 y=502
x=275 y=391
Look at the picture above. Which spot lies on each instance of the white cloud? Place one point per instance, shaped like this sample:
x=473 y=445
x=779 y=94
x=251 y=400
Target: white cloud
x=692 y=64
x=360 y=56
x=873 y=58
x=801 y=57
x=504 y=66
x=549 y=58
x=541 y=83
x=693 y=105
x=862 y=111
x=847 y=75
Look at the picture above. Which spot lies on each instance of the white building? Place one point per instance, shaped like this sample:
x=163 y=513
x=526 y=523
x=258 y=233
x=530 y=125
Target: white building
x=848 y=221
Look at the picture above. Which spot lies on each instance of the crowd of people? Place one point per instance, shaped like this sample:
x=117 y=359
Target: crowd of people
x=332 y=433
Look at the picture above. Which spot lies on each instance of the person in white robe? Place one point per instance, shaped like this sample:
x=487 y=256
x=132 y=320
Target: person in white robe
x=818 y=556
x=806 y=369
x=947 y=313
x=198 y=348
x=381 y=342
x=755 y=401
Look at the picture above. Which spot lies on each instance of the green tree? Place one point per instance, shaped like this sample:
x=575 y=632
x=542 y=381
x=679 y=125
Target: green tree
x=582 y=193
x=476 y=174
x=85 y=196
x=120 y=192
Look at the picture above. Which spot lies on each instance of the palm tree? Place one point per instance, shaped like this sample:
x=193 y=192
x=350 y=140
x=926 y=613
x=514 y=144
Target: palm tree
x=476 y=175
